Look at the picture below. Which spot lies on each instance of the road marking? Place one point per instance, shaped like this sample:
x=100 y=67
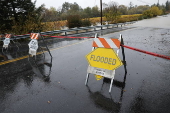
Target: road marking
x=24 y=57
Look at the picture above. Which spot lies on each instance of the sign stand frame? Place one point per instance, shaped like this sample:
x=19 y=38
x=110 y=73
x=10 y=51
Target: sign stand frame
x=12 y=38
x=50 y=64
x=124 y=62
x=5 y=37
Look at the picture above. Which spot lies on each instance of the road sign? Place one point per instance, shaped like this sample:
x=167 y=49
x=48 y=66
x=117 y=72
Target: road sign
x=104 y=58
x=33 y=46
x=7 y=40
x=102 y=72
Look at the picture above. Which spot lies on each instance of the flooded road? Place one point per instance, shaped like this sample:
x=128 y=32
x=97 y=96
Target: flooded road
x=57 y=85
x=158 y=22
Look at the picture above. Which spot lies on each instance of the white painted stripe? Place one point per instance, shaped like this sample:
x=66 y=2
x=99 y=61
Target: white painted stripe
x=111 y=43
x=9 y=35
x=97 y=41
x=33 y=36
x=38 y=35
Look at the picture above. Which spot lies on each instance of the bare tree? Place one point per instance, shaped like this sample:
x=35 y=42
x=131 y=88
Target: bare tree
x=111 y=12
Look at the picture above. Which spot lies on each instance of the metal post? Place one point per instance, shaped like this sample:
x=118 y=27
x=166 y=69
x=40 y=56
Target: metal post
x=123 y=54
x=87 y=77
x=46 y=46
x=110 y=89
x=101 y=11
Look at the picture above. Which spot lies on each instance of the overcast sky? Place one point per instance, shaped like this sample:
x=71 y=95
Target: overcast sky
x=91 y=3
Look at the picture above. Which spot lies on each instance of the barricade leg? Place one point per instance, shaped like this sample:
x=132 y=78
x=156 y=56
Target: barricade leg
x=46 y=46
x=123 y=54
x=110 y=89
x=87 y=77
x=16 y=45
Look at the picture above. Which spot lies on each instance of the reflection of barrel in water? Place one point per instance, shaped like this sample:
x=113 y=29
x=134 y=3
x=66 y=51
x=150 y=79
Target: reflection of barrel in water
x=3 y=58
x=105 y=103
x=41 y=67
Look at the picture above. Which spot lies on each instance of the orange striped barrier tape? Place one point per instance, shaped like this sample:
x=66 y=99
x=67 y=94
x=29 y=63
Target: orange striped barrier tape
x=34 y=36
x=8 y=36
x=106 y=43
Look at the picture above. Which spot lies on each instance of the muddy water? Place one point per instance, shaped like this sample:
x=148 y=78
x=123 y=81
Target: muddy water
x=158 y=22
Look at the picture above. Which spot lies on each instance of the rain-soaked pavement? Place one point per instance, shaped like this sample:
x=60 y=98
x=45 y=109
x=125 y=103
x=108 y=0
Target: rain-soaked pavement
x=39 y=87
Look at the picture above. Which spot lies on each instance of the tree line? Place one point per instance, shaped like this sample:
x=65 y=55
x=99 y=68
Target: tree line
x=24 y=16
x=53 y=14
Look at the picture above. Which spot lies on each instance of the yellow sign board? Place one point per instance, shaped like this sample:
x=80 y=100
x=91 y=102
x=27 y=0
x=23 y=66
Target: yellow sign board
x=104 y=58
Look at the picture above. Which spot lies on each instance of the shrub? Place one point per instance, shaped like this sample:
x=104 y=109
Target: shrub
x=147 y=14
x=96 y=20
x=74 y=21
x=140 y=17
x=86 y=22
x=152 y=12
x=155 y=11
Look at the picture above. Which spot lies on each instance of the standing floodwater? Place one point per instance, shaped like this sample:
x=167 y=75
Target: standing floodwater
x=157 y=22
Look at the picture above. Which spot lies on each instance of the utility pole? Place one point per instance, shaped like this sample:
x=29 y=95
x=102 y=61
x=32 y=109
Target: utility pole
x=101 y=10
x=158 y=3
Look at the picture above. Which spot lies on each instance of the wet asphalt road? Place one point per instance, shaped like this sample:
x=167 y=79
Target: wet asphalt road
x=24 y=89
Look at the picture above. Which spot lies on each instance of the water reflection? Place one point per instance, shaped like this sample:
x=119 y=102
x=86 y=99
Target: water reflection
x=41 y=67
x=58 y=42
x=3 y=58
x=13 y=46
x=28 y=79
x=106 y=103
x=138 y=105
x=19 y=48
x=103 y=102
x=9 y=82
x=14 y=50
x=14 y=74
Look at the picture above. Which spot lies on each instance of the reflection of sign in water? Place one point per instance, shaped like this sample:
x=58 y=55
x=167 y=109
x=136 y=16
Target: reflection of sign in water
x=6 y=42
x=98 y=77
x=104 y=102
x=33 y=46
